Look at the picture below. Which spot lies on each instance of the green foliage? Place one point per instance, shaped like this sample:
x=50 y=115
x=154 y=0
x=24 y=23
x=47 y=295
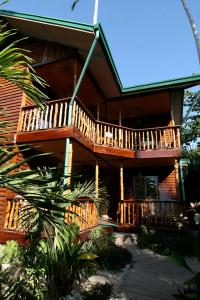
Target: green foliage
x=109 y=255
x=98 y=292
x=67 y=262
x=16 y=66
x=191 y=128
x=8 y=252
x=25 y=276
x=166 y=242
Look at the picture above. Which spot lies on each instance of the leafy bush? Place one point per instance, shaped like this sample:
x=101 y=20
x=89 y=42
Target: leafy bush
x=166 y=242
x=109 y=255
x=98 y=292
x=8 y=252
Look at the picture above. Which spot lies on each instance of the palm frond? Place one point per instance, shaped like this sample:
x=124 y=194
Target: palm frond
x=16 y=67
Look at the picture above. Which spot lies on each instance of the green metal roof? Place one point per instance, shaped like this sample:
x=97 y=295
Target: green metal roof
x=52 y=21
x=183 y=82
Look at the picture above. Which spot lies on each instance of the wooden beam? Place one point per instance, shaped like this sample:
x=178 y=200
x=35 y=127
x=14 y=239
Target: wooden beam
x=121 y=181
x=97 y=178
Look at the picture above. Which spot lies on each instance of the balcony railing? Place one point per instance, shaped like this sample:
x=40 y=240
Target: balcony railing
x=85 y=215
x=100 y=133
x=149 y=212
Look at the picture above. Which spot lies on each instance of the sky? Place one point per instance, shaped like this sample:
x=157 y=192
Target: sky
x=150 y=40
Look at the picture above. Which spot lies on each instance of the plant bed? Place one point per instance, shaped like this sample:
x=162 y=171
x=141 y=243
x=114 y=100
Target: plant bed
x=166 y=242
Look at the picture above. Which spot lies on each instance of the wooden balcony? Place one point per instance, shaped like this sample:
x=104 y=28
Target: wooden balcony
x=151 y=213
x=56 y=116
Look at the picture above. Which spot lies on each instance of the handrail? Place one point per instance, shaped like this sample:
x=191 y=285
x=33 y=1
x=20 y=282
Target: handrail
x=156 y=212
x=46 y=104
x=56 y=115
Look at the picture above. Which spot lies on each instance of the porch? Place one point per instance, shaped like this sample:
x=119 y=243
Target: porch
x=61 y=113
x=129 y=213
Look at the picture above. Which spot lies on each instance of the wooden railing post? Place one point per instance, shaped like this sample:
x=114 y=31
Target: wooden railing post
x=121 y=181
x=68 y=163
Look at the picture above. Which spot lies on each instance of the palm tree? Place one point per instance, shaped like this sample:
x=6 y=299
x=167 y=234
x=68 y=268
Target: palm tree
x=193 y=26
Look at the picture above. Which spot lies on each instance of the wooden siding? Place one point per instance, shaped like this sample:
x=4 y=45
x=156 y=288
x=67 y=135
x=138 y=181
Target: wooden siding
x=43 y=52
x=2 y=206
x=10 y=100
x=167 y=186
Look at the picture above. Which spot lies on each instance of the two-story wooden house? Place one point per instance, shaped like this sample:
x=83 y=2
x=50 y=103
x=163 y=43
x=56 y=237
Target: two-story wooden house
x=128 y=139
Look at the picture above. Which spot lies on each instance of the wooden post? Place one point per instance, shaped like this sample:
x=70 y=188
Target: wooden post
x=68 y=163
x=121 y=181
x=97 y=179
x=176 y=167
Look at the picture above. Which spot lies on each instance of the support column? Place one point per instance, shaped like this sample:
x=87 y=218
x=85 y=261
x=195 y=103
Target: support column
x=97 y=179
x=68 y=163
x=182 y=181
x=121 y=181
x=176 y=167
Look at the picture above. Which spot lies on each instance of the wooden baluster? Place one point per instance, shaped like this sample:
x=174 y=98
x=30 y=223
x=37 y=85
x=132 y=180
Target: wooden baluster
x=61 y=114
x=50 y=116
x=46 y=117
x=122 y=212
x=161 y=139
x=125 y=213
x=112 y=138
x=65 y=121
x=147 y=133
x=29 y=120
x=55 y=116
x=174 y=137
x=8 y=208
x=116 y=140
x=143 y=141
x=33 y=119
x=165 y=138
x=126 y=142
x=156 y=133
x=140 y=141
x=24 y=128
x=122 y=138
x=135 y=146
x=37 y=119
x=133 y=212
x=129 y=213
x=42 y=119
x=10 y=223
x=178 y=137
x=152 y=141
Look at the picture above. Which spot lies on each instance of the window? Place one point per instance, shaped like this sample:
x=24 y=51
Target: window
x=146 y=187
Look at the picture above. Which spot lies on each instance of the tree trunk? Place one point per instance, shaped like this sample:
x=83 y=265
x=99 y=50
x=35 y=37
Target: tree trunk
x=193 y=27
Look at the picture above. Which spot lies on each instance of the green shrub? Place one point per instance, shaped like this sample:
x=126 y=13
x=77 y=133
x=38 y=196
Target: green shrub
x=8 y=252
x=98 y=292
x=109 y=255
x=166 y=242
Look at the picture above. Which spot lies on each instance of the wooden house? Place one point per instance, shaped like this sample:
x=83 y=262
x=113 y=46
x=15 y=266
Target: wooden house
x=127 y=139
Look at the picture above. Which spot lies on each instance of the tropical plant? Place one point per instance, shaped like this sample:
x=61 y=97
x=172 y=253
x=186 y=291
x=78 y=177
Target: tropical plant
x=192 y=286
x=193 y=26
x=109 y=255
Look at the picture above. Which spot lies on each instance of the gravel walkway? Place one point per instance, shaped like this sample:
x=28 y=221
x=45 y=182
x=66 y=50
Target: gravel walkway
x=152 y=277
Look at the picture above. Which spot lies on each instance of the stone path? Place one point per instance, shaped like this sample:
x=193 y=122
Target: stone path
x=153 y=277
